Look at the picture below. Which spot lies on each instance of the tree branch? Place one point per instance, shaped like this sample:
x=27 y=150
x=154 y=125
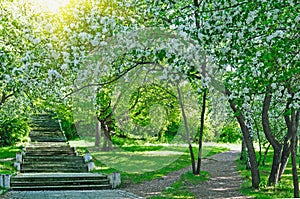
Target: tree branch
x=109 y=81
x=5 y=97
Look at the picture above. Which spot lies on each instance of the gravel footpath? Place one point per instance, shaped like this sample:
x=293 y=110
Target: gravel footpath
x=224 y=180
x=87 y=194
x=156 y=186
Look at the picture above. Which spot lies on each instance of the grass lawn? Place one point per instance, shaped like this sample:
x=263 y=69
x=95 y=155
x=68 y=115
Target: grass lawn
x=284 y=189
x=152 y=162
x=138 y=163
x=179 y=190
x=7 y=158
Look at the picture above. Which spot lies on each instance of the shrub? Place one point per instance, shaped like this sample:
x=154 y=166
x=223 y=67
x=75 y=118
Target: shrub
x=13 y=131
x=230 y=134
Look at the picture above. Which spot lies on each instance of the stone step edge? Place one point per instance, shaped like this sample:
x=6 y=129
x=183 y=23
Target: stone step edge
x=63 y=187
x=60 y=182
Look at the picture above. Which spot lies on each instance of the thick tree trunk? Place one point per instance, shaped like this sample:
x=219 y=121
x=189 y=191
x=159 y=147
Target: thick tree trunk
x=285 y=156
x=247 y=138
x=98 y=134
x=186 y=130
x=259 y=141
x=204 y=97
x=107 y=145
x=293 y=127
x=244 y=155
x=274 y=174
x=265 y=154
x=294 y=168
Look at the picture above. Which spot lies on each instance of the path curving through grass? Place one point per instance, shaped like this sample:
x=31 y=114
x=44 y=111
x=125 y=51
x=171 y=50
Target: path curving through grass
x=224 y=181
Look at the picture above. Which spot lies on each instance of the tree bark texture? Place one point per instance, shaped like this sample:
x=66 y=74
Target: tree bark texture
x=248 y=141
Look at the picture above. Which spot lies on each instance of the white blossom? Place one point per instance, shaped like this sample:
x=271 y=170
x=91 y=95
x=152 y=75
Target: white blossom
x=64 y=67
x=36 y=40
x=273 y=85
x=245 y=90
x=94 y=42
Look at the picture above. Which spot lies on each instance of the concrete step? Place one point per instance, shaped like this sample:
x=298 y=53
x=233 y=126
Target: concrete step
x=52 y=164
x=68 y=187
x=47 y=139
x=59 y=181
x=46 y=148
x=48 y=144
x=56 y=167
x=42 y=118
x=50 y=153
x=40 y=128
x=54 y=170
x=57 y=176
x=77 y=159
x=45 y=133
x=44 y=122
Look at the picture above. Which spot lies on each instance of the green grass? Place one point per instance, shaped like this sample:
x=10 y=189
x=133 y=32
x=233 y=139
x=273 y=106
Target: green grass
x=180 y=189
x=145 y=163
x=156 y=156
x=7 y=158
x=284 y=189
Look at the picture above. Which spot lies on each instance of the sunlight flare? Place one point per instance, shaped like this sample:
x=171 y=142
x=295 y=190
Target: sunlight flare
x=53 y=5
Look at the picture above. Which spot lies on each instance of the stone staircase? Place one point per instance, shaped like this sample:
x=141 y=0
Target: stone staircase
x=59 y=181
x=49 y=163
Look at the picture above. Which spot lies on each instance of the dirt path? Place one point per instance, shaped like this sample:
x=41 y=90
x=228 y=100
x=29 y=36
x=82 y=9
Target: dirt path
x=224 y=179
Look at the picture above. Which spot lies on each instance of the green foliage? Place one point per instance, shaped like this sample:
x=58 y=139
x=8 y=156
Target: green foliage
x=63 y=113
x=13 y=131
x=230 y=133
x=68 y=126
x=146 y=99
x=104 y=103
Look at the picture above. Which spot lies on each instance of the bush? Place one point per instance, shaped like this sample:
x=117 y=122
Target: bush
x=69 y=129
x=13 y=131
x=65 y=114
x=230 y=134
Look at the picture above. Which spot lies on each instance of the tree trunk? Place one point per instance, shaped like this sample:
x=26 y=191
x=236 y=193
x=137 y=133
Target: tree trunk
x=244 y=155
x=186 y=129
x=285 y=155
x=107 y=145
x=204 y=97
x=259 y=141
x=107 y=137
x=265 y=155
x=98 y=134
x=294 y=122
x=247 y=138
x=294 y=168
x=274 y=174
